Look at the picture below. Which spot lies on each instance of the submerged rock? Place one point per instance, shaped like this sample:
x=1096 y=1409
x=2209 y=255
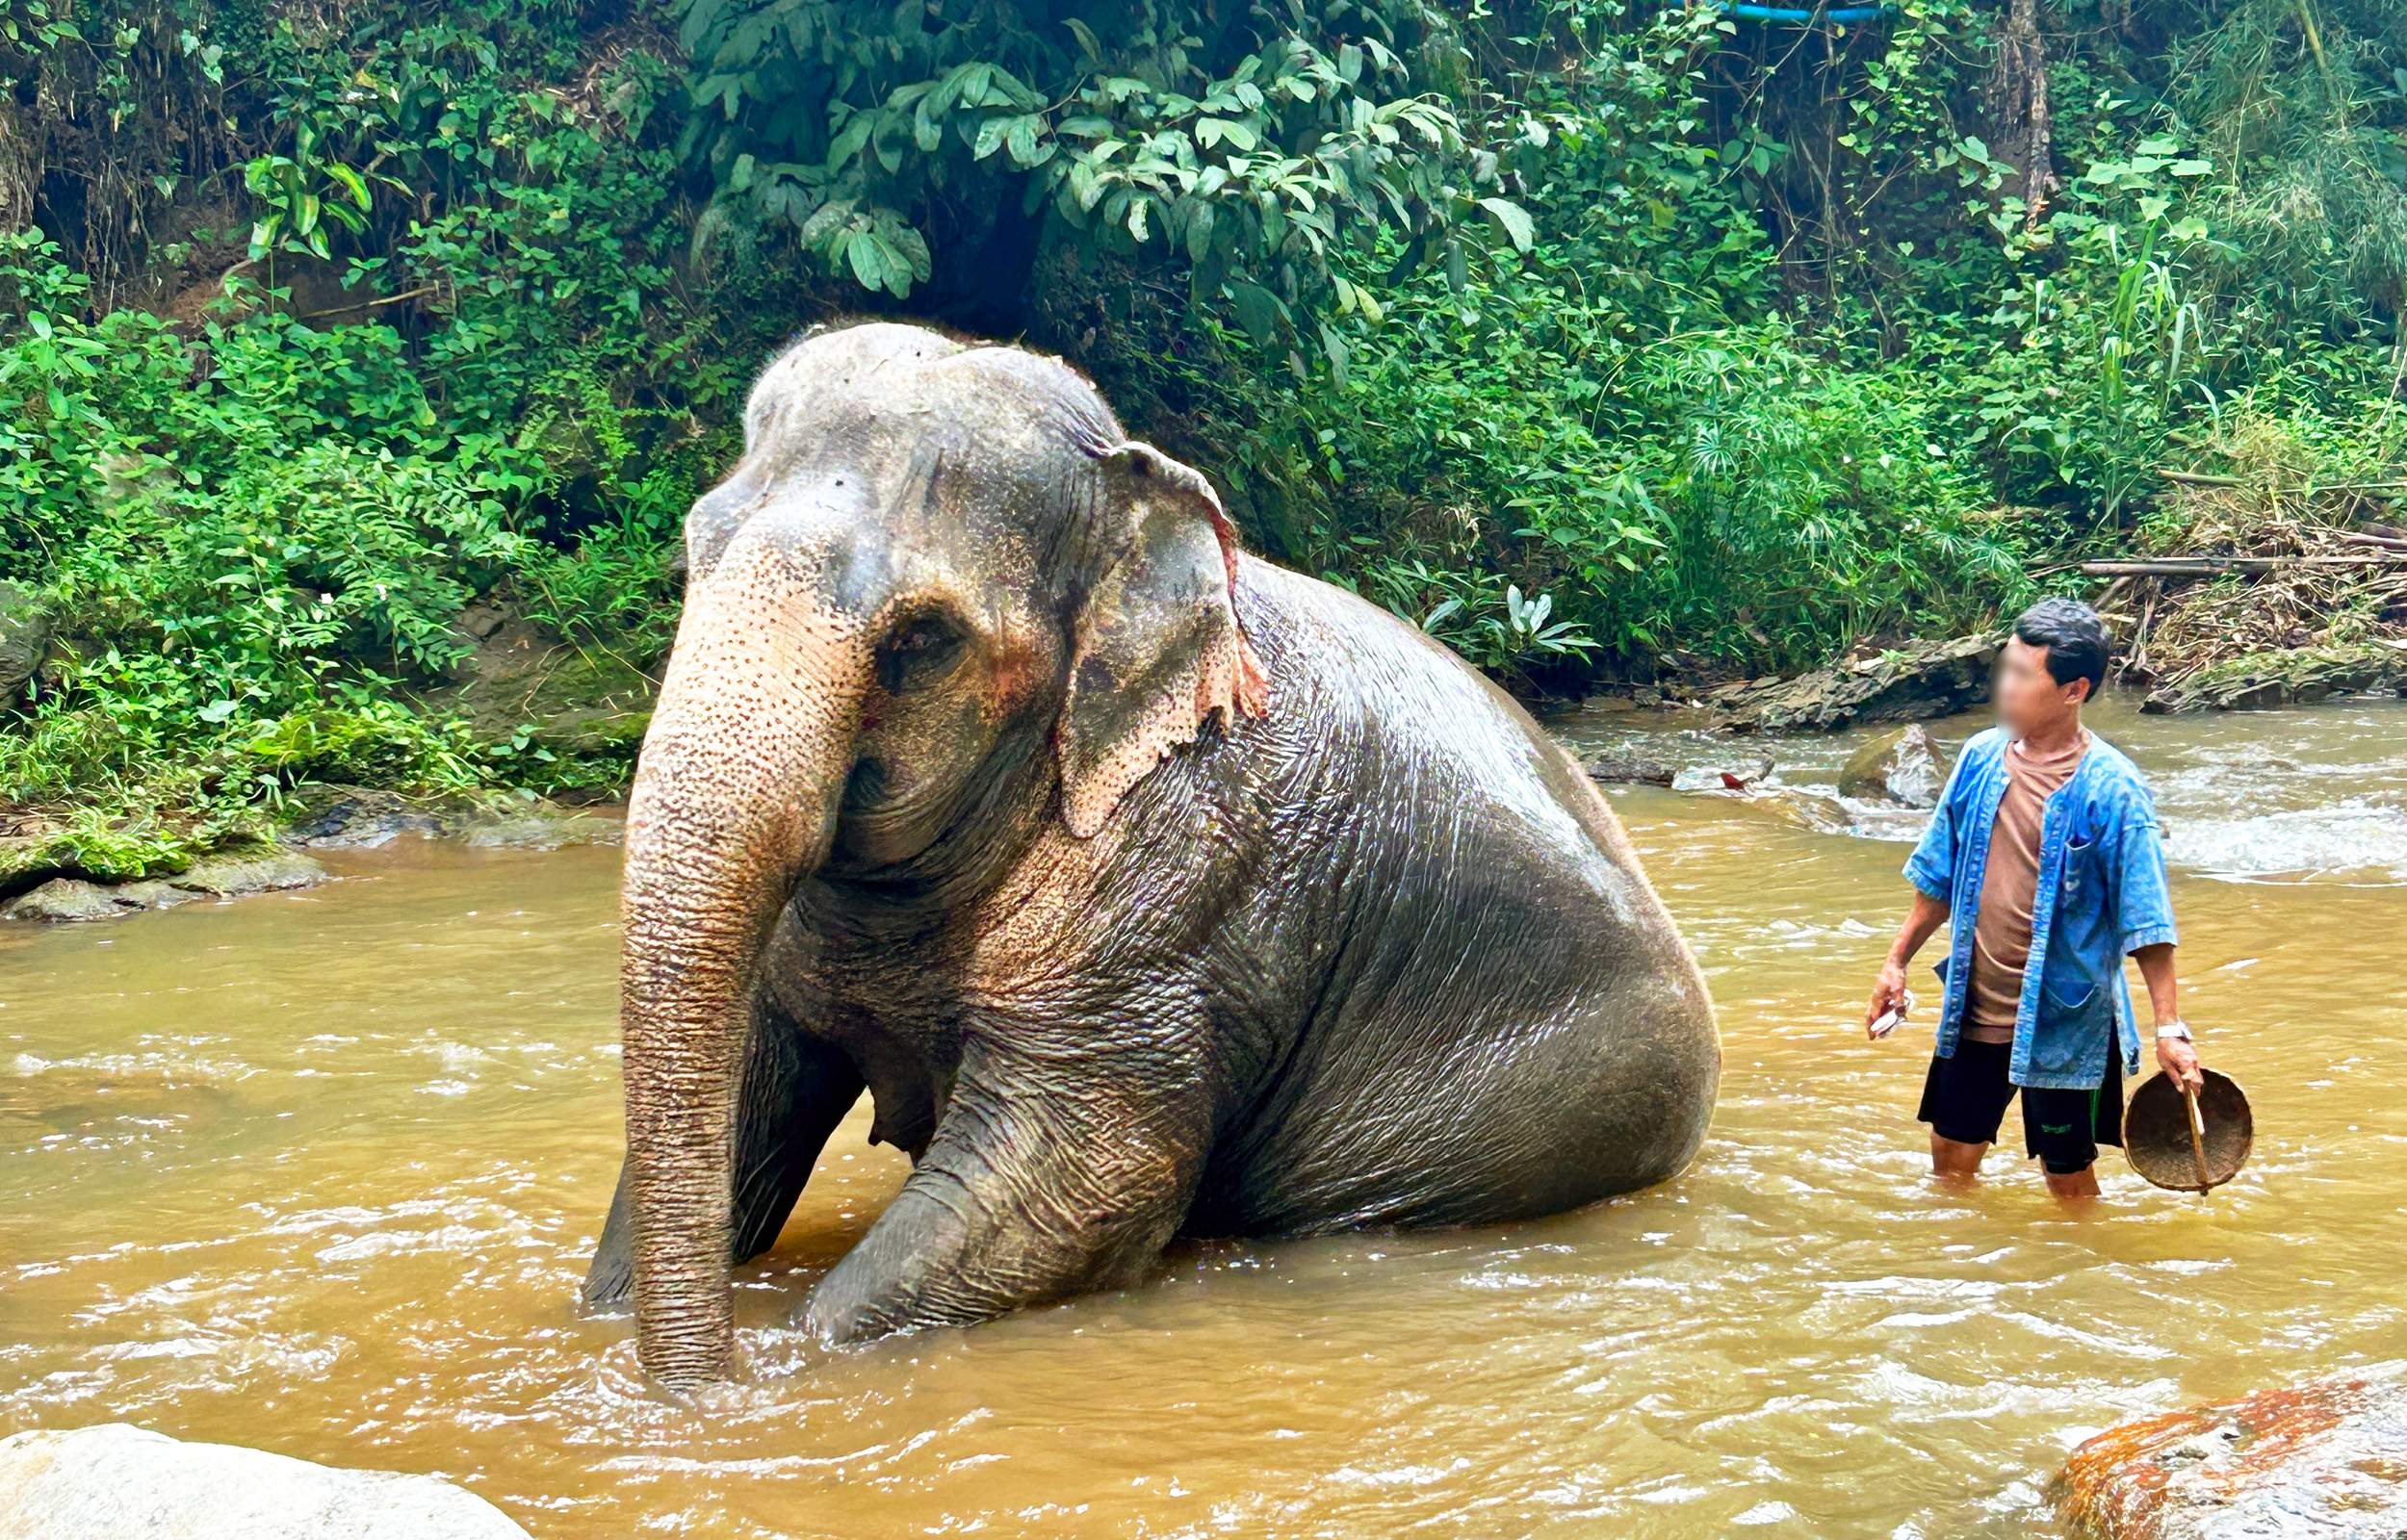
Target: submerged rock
x=2326 y=1461
x=1798 y=810
x=1906 y=683
x=1898 y=766
x=1626 y=766
x=116 y=1481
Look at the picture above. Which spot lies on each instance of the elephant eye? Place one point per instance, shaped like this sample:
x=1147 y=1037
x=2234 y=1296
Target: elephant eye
x=917 y=652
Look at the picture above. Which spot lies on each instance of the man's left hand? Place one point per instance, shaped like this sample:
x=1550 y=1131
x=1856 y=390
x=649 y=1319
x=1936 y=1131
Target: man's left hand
x=2180 y=1061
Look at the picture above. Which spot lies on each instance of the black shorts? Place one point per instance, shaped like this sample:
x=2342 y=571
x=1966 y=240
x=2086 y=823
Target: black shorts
x=1964 y=1099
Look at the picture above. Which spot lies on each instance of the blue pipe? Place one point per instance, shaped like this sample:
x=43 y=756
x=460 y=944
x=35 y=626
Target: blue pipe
x=1794 y=18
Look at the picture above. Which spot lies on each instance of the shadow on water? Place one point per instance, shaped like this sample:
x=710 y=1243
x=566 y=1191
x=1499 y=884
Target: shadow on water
x=317 y=1172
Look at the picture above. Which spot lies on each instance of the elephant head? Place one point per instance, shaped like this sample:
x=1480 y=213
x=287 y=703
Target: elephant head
x=939 y=591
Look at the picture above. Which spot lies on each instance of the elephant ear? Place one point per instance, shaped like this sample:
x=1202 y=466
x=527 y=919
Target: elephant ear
x=1158 y=648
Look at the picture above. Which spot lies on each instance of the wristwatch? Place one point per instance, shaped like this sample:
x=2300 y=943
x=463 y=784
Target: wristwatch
x=2175 y=1028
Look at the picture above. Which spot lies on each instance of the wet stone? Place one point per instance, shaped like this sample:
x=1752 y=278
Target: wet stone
x=544 y=829
x=2326 y=1461
x=231 y=876
x=150 y=895
x=272 y=871
x=114 y=1481
x=1627 y=766
x=357 y=817
x=1896 y=766
x=67 y=898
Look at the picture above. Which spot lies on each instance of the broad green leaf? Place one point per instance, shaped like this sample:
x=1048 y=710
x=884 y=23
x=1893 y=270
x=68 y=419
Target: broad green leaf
x=1513 y=220
x=867 y=256
x=1199 y=221
x=1021 y=140
x=353 y=183
x=1258 y=312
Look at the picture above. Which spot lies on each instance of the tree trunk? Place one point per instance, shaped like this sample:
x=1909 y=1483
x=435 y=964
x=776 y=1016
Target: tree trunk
x=2018 y=108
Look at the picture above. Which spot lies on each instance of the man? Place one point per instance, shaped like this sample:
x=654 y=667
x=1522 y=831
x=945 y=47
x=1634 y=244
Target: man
x=2043 y=857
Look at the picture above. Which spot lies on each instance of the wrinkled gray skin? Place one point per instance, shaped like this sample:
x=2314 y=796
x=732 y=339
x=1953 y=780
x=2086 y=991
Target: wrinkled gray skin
x=1151 y=890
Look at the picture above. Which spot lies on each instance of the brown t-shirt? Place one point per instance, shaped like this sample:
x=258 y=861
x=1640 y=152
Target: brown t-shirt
x=2009 y=883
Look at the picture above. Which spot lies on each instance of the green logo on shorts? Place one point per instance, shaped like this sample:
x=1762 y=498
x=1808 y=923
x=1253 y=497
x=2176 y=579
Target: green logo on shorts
x=2055 y=1128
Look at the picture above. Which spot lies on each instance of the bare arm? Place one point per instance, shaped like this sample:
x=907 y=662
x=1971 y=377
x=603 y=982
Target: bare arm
x=1922 y=922
x=2176 y=1058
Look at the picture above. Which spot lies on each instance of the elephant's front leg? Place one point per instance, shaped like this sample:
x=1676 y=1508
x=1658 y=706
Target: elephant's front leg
x=1056 y=1168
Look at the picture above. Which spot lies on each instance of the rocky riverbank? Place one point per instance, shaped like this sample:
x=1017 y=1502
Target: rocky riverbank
x=48 y=885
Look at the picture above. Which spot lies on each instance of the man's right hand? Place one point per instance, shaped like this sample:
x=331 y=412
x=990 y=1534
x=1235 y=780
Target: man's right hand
x=1888 y=993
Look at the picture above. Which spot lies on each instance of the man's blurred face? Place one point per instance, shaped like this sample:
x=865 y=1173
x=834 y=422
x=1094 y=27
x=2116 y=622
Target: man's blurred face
x=2029 y=698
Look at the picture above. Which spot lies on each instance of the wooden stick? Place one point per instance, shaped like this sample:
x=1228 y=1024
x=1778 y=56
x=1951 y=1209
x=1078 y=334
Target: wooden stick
x=369 y=304
x=2217 y=566
x=2198 y=1141
x=2200 y=479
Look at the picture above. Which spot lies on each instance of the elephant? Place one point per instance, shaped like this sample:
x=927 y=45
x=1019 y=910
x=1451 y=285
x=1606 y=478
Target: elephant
x=1151 y=890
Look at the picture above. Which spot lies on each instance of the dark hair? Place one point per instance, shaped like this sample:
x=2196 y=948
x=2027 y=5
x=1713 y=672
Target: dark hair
x=2073 y=636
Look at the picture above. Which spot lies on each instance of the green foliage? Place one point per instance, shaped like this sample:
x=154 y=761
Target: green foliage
x=1587 y=338
x=1251 y=148
x=379 y=743
x=263 y=533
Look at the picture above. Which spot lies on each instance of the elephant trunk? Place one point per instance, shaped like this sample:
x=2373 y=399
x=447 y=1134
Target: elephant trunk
x=743 y=770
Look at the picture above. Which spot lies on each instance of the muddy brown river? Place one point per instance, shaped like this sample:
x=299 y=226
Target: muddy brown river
x=317 y=1172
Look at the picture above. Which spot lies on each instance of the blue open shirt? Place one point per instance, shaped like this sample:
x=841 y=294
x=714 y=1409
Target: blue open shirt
x=2100 y=895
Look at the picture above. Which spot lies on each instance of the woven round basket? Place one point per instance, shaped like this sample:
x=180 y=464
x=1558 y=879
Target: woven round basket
x=2156 y=1132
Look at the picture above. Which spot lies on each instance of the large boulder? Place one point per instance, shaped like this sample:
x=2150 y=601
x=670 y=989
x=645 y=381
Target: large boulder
x=1896 y=766
x=1903 y=684
x=2326 y=1461
x=114 y=1482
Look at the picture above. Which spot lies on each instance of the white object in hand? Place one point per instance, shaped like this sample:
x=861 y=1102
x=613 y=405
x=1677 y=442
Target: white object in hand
x=1891 y=1019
